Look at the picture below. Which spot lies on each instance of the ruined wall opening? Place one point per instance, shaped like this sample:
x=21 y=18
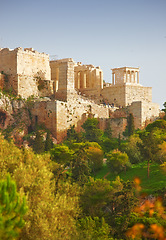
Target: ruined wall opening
x=3 y=117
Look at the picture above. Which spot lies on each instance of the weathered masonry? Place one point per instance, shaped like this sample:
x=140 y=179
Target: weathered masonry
x=73 y=91
x=26 y=71
x=126 y=88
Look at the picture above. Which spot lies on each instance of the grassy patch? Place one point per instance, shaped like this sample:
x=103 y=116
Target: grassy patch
x=156 y=181
x=102 y=172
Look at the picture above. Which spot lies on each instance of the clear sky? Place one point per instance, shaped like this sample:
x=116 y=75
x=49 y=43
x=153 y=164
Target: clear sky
x=105 y=33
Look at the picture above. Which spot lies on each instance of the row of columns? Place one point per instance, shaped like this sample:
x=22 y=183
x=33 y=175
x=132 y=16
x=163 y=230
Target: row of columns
x=132 y=76
x=128 y=77
x=88 y=79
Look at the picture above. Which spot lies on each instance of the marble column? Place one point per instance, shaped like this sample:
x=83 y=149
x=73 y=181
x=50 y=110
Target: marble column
x=113 y=80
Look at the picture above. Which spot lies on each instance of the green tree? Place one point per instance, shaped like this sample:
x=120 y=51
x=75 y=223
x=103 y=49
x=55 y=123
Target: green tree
x=117 y=161
x=38 y=145
x=95 y=196
x=52 y=212
x=48 y=143
x=74 y=136
x=161 y=124
x=120 y=208
x=80 y=166
x=130 y=125
x=95 y=156
x=61 y=154
x=132 y=149
x=12 y=210
x=149 y=147
x=109 y=144
x=93 y=229
x=92 y=132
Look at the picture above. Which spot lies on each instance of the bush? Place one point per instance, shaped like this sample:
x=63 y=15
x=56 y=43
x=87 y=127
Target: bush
x=92 y=132
x=61 y=154
x=95 y=156
x=109 y=144
x=117 y=161
x=132 y=149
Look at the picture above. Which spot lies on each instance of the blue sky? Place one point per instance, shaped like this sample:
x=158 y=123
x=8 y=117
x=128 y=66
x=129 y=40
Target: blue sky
x=104 y=33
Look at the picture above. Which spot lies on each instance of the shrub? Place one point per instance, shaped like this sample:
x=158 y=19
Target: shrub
x=117 y=161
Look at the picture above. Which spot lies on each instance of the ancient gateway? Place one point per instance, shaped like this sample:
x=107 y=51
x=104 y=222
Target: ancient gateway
x=67 y=93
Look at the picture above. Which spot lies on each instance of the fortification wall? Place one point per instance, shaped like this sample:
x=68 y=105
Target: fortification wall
x=144 y=112
x=150 y=112
x=32 y=69
x=118 y=126
x=33 y=63
x=8 y=66
x=30 y=86
x=44 y=112
x=24 y=69
x=124 y=95
x=136 y=109
x=137 y=93
x=8 y=61
x=114 y=94
x=75 y=112
x=58 y=116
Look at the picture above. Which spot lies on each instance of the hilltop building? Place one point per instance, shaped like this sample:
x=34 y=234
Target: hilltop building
x=71 y=91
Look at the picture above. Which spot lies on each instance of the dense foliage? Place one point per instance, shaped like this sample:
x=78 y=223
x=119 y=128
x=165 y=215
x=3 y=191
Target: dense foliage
x=65 y=197
x=12 y=210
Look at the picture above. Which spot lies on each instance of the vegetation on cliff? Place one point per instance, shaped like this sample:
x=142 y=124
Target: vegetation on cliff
x=67 y=197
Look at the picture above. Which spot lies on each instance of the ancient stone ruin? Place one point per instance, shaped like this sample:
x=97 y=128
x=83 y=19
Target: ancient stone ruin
x=67 y=92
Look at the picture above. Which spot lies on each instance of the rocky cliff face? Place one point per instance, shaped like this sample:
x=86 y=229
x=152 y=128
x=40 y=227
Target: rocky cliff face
x=14 y=117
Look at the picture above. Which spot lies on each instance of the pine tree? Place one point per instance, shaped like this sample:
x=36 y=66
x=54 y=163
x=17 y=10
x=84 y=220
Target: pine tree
x=38 y=145
x=80 y=168
x=12 y=210
x=92 y=132
x=48 y=142
x=130 y=124
x=108 y=131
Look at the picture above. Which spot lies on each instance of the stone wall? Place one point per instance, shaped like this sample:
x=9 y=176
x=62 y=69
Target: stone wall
x=24 y=69
x=124 y=95
x=33 y=63
x=44 y=112
x=118 y=126
x=8 y=65
x=8 y=61
x=30 y=73
x=32 y=68
x=62 y=73
x=114 y=95
x=75 y=112
x=144 y=113
x=58 y=116
x=136 y=109
x=137 y=93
